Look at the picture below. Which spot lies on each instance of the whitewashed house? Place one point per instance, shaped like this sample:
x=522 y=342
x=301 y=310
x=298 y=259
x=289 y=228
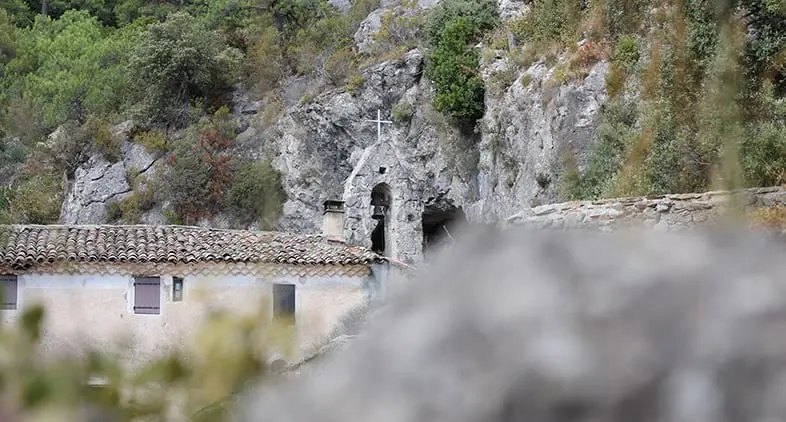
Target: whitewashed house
x=156 y=284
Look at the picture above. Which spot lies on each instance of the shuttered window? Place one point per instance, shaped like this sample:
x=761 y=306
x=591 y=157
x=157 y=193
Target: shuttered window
x=147 y=295
x=284 y=300
x=9 y=292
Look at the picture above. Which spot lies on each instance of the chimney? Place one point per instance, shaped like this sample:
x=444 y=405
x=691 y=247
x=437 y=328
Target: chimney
x=333 y=222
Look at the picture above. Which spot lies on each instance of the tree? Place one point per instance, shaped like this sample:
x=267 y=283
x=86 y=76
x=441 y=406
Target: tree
x=179 y=62
x=70 y=67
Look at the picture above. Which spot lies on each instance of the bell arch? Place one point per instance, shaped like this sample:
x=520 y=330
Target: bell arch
x=381 y=202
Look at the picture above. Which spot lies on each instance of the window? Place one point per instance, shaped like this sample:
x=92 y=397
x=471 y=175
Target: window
x=147 y=295
x=177 y=289
x=9 y=292
x=284 y=300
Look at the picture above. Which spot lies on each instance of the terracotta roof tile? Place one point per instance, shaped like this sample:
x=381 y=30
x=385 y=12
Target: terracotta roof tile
x=22 y=246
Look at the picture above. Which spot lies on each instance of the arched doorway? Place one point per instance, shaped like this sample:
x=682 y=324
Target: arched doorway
x=381 y=201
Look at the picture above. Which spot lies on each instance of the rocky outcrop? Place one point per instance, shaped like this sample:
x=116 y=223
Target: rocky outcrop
x=97 y=181
x=527 y=130
x=666 y=213
x=321 y=140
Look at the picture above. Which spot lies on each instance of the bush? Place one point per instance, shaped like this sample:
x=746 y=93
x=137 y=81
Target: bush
x=480 y=16
x=340 y=65
x=549 y=21
x=626 y=52
x=106 y=144
x=453 y=64
x=615 y=137
x=402 y=111
x=200 y=168
x=131 y=207
x=256 y=194
x=355 y=83
x=154 y=141
x=453 y=67
x=178 y=62
x=36 y=200
x=397 y=32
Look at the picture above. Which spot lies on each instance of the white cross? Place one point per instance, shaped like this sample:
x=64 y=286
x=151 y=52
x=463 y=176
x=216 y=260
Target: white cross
x=379 y=122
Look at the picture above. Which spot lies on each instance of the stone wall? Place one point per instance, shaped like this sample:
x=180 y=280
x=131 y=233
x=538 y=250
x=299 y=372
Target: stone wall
x=667 y=212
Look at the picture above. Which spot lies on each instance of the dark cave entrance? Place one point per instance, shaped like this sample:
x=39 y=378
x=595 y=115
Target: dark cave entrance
x=440 y=219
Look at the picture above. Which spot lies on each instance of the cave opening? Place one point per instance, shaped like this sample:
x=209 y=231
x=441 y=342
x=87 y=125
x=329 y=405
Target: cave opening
x=439 y=221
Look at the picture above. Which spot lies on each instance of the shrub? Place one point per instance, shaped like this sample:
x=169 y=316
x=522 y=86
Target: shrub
x=480 y=16
x=549 y=21
x=355 y=83
x=178 y=62
x=340 y=65
x=397 y=32
x=256 y=194
x=453 y=64
x=615 y=137
x=70 y=68
x=106 y=144
x=501 y=80
x=153 y=140
x=402 y=111
x=626 y=52
x=200 y=168
x=265 y=61
x=37 y=200
x=454 y=69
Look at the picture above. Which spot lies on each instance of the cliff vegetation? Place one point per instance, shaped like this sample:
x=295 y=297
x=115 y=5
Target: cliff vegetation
x=695 y=90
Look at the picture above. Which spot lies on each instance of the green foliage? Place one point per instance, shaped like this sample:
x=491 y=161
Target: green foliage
x=480 y=16
x=7 y=40
x=256 y=194
x=107 y=145
x=402 y=111
x=397 y=32
x=355 y=83
x=68 y=68
x=549 y=21
x=616 y=135
x=35 y=200
x=454 y=68
x=153 y=140
x=180 y=62
x=626 y=52
x=453 y=64
x=131 y=207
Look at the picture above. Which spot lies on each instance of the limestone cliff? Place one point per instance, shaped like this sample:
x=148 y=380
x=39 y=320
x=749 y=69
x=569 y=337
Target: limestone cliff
x=326 y=148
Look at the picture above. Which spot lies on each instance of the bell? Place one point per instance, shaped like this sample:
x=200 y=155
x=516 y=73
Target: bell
x=379 y=212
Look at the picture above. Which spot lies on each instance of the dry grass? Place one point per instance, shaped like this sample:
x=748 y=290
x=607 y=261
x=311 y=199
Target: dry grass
x=773 y=218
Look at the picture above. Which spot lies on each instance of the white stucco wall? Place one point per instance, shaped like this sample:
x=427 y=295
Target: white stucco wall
x=96 y=311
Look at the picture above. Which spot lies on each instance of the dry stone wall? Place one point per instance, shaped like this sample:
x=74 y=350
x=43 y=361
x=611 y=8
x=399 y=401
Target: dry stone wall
x=667 y=212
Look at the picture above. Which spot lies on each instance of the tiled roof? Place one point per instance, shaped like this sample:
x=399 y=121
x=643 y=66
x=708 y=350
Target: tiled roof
x=25 y=246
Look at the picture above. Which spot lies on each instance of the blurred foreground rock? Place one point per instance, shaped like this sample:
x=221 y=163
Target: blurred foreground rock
x=564 y=326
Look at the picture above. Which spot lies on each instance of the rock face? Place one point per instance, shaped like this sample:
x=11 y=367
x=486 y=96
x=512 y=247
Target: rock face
x=98 y=181
x=564 y=326
x=527 y=129
x=326 y=148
